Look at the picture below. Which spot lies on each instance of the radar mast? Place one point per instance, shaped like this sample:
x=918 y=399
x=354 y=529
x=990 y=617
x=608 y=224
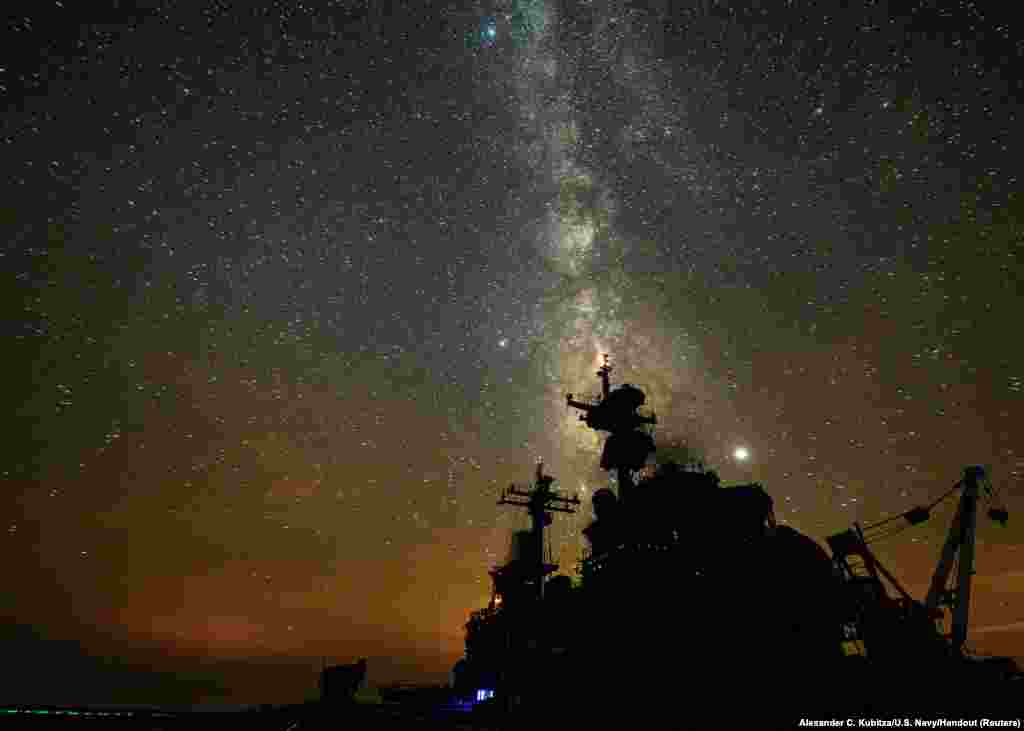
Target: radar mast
x=616 y=411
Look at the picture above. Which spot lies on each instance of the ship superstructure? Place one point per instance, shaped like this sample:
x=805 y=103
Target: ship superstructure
x=690 y=590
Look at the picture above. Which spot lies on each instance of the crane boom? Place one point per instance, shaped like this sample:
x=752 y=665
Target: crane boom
x=959 y=541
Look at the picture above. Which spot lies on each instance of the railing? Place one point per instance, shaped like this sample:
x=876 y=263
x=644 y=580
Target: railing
x=590 y=564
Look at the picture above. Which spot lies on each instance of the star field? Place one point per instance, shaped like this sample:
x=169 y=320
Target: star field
x=297 y=288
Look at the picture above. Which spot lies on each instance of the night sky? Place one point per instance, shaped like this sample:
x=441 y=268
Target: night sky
x=294 y=290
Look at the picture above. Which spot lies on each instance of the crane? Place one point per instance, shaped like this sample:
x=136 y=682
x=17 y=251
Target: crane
x=960 y=544
x=851 y=553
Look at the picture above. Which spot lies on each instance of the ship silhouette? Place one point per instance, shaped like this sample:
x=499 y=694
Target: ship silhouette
x=694 y=608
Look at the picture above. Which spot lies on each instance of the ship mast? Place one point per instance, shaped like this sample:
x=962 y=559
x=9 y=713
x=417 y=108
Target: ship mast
x=540 y=503
x=627 y=446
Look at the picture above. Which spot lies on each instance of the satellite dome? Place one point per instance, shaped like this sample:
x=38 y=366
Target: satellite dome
x=627 y=449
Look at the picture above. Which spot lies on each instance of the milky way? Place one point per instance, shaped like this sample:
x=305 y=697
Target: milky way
x=299 y=289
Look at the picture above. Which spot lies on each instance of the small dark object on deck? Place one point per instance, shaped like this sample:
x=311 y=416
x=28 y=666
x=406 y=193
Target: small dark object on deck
x=338 y=684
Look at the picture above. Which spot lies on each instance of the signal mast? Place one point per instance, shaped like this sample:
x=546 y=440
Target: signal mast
x=540 y=503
